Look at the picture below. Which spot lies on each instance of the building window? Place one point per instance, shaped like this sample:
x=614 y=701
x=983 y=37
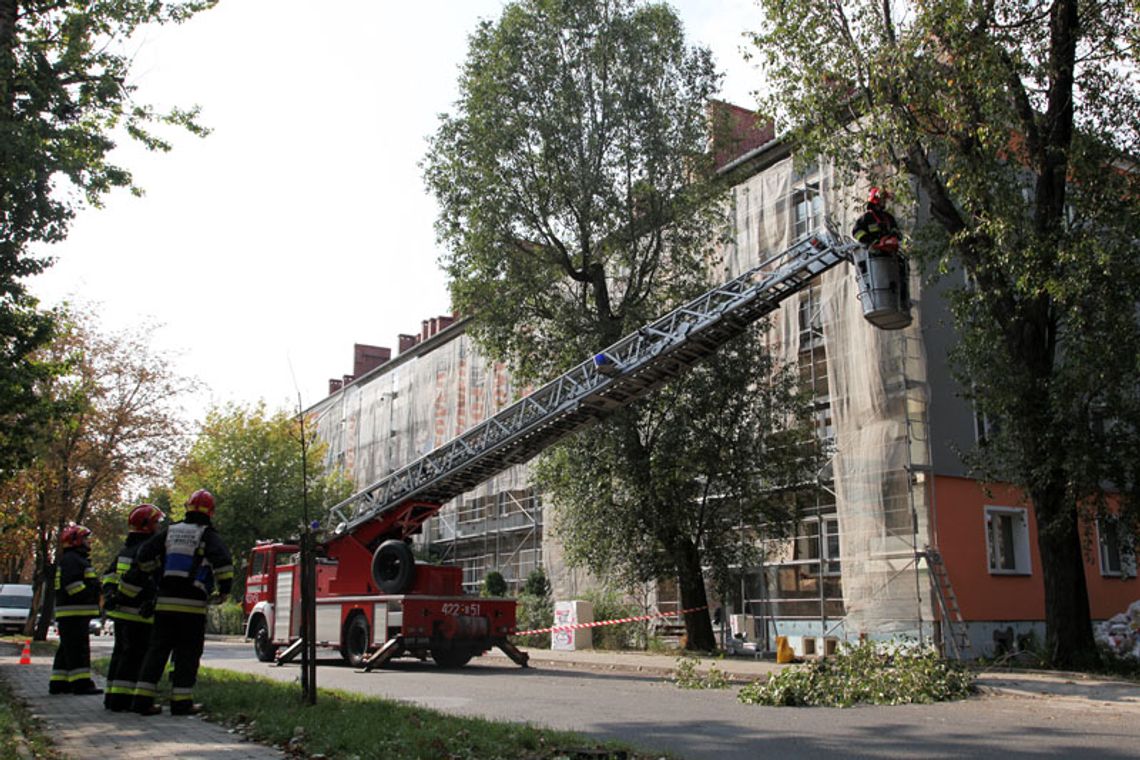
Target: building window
x=809 y=546
x=1117 y=553
x=807 y=204
x=1007 y=541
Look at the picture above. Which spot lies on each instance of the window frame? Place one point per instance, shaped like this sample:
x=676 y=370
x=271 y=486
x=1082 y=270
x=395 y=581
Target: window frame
x=1022 y=553
x=1125 y=554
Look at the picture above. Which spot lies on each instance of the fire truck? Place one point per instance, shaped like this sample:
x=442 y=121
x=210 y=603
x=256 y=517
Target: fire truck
x=374 y=602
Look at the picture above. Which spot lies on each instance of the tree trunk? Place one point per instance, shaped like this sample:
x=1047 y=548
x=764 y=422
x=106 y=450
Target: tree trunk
x=1068 y=623
x=691 y=580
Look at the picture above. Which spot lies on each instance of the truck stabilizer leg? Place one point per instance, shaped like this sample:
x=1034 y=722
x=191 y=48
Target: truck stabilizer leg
x=519 y=657
x=289 y=654
x=392 y=648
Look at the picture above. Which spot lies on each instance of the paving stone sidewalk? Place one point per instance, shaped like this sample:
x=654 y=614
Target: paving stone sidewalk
x=81 y=728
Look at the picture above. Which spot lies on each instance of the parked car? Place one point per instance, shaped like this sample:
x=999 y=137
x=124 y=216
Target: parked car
x=101 y=627
x=15 y=606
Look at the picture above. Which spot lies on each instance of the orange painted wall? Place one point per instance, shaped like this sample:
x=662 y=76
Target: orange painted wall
x=961 y=536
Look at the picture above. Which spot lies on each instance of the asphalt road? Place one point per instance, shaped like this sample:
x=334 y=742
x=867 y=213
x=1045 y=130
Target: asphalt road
x=651 y=713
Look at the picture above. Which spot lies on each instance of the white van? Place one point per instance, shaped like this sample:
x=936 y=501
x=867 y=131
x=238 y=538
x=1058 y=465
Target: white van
x=15 y=606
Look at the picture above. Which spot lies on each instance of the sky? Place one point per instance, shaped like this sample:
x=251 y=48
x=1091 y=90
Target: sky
x=301 y=225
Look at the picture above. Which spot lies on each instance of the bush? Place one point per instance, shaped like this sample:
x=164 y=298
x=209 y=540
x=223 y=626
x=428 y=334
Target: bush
x=494 y=584
x=535 y=612
x=537 y=583
x=865 y=673
x=609 y=606
x=225 y=619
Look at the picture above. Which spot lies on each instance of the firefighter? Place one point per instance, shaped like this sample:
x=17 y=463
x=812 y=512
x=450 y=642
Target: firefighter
x=128 y=598
x=195 y=565
x=877 y=228
x=76 y=602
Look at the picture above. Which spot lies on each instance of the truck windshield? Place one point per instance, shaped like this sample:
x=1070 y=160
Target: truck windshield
x=17 y=602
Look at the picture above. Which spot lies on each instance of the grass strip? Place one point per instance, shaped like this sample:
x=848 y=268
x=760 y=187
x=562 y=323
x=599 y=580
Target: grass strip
x=21 y=736
x=345 y=725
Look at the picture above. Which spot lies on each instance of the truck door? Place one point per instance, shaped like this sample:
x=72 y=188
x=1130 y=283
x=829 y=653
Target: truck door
x=259 y=579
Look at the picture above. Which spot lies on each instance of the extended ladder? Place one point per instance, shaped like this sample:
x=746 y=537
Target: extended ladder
x=622 y=373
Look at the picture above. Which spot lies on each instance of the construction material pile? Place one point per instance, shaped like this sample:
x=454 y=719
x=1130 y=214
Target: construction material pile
x=1120 y=634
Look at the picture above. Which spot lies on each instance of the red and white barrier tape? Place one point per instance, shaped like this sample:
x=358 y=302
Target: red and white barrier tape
x=574 y=626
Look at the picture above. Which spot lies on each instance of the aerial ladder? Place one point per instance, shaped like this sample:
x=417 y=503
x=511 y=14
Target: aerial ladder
x=371 y=528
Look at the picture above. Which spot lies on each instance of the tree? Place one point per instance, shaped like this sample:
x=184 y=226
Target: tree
x=577 y=202
x=251 y=461
x=731 y=446
x=123 y=428
x=63 y=94
x=1018 y=125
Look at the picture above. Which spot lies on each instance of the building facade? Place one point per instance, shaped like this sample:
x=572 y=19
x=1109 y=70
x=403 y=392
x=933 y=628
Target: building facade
x=900 y=541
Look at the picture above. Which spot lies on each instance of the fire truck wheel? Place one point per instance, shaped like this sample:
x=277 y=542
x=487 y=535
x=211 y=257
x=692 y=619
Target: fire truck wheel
x=451 y=657
x=393 y=567
x=262 y=646
x=354 y=642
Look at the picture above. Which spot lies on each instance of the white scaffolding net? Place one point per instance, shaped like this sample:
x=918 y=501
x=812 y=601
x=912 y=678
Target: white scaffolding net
x=872 y=399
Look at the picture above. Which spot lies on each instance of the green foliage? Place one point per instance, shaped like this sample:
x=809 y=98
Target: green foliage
x=251 y=461
x=1016 y=144
x=726 y=445
x=64 y=90
x=537 y=584
x=865 y=673
x=494 y=584
x=577 y=202
x=534 y=612
x=225 y=619
x=571 y=164
x=689 y=676
x=609 y=605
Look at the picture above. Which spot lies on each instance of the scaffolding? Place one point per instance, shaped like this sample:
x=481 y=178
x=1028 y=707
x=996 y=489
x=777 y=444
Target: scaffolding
x=855 y=565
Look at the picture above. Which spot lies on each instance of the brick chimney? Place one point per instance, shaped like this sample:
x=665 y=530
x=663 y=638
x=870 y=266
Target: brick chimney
x=335 y=385
x=367 y=358
x=407 y=341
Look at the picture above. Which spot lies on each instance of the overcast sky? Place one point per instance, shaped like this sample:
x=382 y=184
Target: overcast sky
x=300 y=225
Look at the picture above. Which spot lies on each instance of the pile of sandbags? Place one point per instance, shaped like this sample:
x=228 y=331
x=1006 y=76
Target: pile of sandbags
x=1120 y=634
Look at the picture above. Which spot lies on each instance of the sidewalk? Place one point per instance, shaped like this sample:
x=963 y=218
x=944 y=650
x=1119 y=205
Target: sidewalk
x=80 y=727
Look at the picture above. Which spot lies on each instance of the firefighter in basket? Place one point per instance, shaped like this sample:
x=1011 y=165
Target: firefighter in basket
x=76 y=602
x=877 y=228
x=196 y=569
x=128 y=599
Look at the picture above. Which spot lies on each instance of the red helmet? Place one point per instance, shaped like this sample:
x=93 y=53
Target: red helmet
x=201 y=501
x=145 y=518
x=878 y=196
x=74 y=535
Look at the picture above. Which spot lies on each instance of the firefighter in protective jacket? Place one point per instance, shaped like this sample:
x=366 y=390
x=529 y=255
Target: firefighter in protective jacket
x=76 y=602
x=877 y=228
x=128 y=599
x=195 y=565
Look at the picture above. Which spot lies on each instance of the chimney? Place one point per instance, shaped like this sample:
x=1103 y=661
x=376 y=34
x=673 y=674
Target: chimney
x=348 y=379
x=445 y=322
x=407 y=341
x=335 y=385
x=424 y=334
x=367 y=358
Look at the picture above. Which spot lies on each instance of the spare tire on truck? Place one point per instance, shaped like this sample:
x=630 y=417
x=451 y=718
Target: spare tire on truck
x=393 y=567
